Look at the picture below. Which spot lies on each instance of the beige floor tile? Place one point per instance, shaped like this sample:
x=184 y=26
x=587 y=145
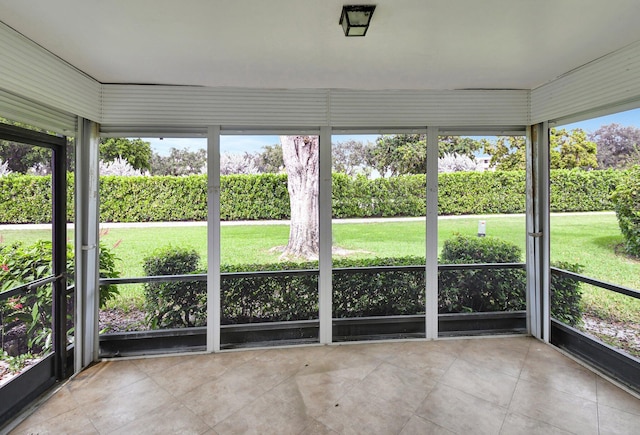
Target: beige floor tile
x=428 y=358
x=356 y=414
x=615 y=397
x=216 y=400
x=265 y=372
x=59 y=403
x=235 y=358
x=381 y=351
x=565 y=411
x=615 y=421
x=508 y=358
x=344 y=363
x=159 y=363
x=189 y=373
x=461 y=412
x=72 y=422
x=547 y=355
x=268 y=414
x=495 y=387
x=317 y=428
x=390 y=386
x=171 y=418
x=567 y=377
x=102 y=379
x=111 y=412
x=516 y=424
x=318 y=391
x=419 y=426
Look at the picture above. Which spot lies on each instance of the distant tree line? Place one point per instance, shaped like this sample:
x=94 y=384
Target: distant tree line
x=611 y=146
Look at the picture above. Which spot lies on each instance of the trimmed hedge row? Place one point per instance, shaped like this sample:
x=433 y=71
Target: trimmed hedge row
x=27 y=199
x=356 y=293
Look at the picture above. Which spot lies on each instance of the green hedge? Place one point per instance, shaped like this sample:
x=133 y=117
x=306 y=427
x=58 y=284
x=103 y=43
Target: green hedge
x=627 y=206
x=275 y=297
x=27 y=199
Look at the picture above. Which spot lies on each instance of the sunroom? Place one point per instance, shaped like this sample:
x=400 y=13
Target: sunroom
x=361 y=339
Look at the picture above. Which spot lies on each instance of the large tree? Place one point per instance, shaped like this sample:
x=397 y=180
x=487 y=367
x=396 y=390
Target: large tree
x=135 y=151
x=269 y=160
x=618 y=146
x=568 y=150
x=179 y=162
x=401 y=154
x=20 y=157
x=572 y=149
x=352 y=157
x=301 y=161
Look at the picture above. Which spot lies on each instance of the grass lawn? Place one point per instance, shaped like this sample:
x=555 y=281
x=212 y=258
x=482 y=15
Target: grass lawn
x=591 y=240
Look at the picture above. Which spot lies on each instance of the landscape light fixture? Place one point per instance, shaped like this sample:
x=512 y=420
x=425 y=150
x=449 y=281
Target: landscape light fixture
x=355 y=19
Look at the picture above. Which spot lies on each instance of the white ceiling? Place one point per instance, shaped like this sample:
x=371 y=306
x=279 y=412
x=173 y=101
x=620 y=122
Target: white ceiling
x=411 y=44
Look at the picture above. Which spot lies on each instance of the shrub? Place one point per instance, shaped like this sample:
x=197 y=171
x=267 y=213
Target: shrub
x=566 y=295
x=627 y=206
x=479 y=290
x=375 y=292
x=266 y=297
x=174 y=304
x=22 y=264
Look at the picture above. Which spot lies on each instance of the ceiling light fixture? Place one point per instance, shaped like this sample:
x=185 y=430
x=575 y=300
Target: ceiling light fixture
x=355 y=19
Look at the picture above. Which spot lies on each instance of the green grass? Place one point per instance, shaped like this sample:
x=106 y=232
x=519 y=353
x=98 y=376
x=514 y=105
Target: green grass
x=591 y=240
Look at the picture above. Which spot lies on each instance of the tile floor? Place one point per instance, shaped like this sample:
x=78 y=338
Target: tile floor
x=513 y=385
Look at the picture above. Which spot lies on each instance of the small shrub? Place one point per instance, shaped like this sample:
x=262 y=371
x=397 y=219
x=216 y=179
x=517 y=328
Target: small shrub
x=477 y=290
x=627 y=206
x=174 y=304
x=271 y=298
x=566 y=295
x=378 y=293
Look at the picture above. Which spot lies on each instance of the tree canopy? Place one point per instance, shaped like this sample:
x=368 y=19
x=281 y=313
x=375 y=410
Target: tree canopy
x=270 y=159
x=568 y=150
x=618 y=146
x=407 y=153
x=21 y=157
x=179 y=162
x=135 y=151
x=352 y=157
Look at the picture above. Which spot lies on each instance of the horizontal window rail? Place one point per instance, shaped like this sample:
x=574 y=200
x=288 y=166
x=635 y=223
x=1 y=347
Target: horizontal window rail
x=481 y=266
x=307 y=272
x=25 y=288
x=595 y=282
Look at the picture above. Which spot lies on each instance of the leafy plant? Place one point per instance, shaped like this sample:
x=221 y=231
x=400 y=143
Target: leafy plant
x=500 y=290
x=174 y=304
x=566 y=295
x=15 y=363
x=627 y=205
x=478 y=290
x=20 y=264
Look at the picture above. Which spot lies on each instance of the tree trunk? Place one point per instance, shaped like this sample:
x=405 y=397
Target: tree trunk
x=301 y=161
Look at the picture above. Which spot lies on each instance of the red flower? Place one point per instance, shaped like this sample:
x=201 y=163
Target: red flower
x=4 y=267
